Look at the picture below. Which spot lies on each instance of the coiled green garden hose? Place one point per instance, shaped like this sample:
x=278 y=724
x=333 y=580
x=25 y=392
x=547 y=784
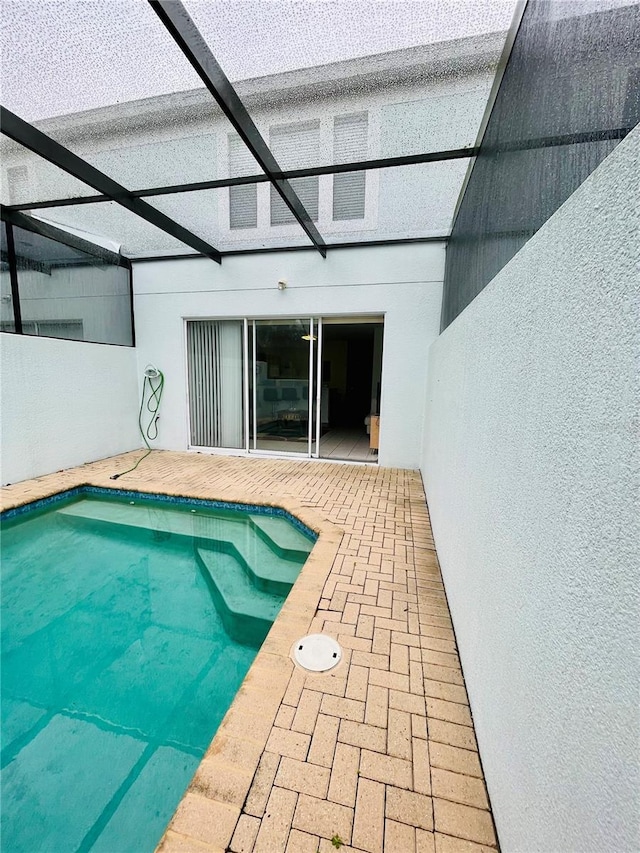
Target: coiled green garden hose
x=152 y=406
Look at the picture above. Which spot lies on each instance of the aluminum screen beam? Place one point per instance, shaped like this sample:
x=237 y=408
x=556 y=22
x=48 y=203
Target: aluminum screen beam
x=58 y=202
x=13 y=275
x=270 y=250
x=47 y=148
x=188 y=38
x=339 y=168
x=310 y=172
x=44 y=229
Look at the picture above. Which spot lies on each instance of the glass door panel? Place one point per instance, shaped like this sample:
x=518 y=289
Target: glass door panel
x=320 y=393
x=282 y=365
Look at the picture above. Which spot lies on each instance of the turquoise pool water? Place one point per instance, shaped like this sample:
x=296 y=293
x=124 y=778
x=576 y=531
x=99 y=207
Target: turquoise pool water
x=127 y=629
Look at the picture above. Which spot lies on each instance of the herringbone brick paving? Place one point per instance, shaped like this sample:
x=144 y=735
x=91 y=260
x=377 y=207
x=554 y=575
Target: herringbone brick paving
x=380 y=753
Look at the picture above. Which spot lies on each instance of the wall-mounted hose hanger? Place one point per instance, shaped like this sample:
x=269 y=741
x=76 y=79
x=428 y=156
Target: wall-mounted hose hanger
x=152 y=388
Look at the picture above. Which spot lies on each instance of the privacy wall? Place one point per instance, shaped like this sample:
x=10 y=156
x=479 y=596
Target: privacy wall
x=64 y=403
x=404 y=284
x=531 y=468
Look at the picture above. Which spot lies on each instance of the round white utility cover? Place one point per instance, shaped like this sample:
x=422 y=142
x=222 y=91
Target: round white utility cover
x=317 y=652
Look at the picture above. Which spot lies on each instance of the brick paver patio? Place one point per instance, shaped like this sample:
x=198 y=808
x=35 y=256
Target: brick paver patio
x=378 y=754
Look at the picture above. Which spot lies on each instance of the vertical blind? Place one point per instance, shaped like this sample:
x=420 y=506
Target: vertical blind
x=215 y=368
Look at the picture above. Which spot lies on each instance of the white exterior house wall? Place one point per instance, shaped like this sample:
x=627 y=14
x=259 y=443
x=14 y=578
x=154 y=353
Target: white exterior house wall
x=64 y=403
x=531 y=466
x=402 y=283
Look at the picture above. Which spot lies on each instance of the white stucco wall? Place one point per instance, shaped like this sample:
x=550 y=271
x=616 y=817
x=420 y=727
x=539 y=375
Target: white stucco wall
x=402 y=282
x=531 y=470
x=64 y=403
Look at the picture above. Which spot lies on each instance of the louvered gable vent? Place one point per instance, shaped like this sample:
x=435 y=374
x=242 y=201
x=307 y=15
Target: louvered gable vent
x=243 y=200
x=349 y=144
x=296 y=146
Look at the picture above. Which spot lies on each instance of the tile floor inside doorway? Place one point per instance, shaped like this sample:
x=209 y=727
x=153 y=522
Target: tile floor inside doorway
x=345 y=444
x=351 y=445
x=380 y=753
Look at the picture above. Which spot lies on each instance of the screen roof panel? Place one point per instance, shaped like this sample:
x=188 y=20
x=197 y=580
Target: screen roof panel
x=108 y=221
x=70 y=56
x=294 y=34
x=399 y=203
x=232 y=219
x=326 y=82
x=418 y=74
x=108 y=82
x=25 y=177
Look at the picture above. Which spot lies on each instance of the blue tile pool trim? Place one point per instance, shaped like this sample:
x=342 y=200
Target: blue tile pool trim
x=41 y=503
x=78 y=491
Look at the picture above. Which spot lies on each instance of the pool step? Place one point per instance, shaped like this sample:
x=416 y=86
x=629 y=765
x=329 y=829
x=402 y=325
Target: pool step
x=272 y=571
x=282 y=537
x=246 y=611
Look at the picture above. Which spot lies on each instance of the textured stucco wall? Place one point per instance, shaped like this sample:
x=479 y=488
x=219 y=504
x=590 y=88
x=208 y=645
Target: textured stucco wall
x=64 y=403
x=402 y=282
x=531 y=470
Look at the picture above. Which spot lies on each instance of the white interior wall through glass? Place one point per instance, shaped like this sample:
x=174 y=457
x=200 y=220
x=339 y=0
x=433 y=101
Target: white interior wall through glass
x=303 y=386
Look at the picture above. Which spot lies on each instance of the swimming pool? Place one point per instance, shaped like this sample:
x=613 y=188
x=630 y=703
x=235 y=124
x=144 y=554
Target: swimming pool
x=129 y=622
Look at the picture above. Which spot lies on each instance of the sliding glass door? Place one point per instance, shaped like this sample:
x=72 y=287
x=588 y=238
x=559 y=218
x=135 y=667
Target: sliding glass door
x=282 y=385
x=306 y=387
